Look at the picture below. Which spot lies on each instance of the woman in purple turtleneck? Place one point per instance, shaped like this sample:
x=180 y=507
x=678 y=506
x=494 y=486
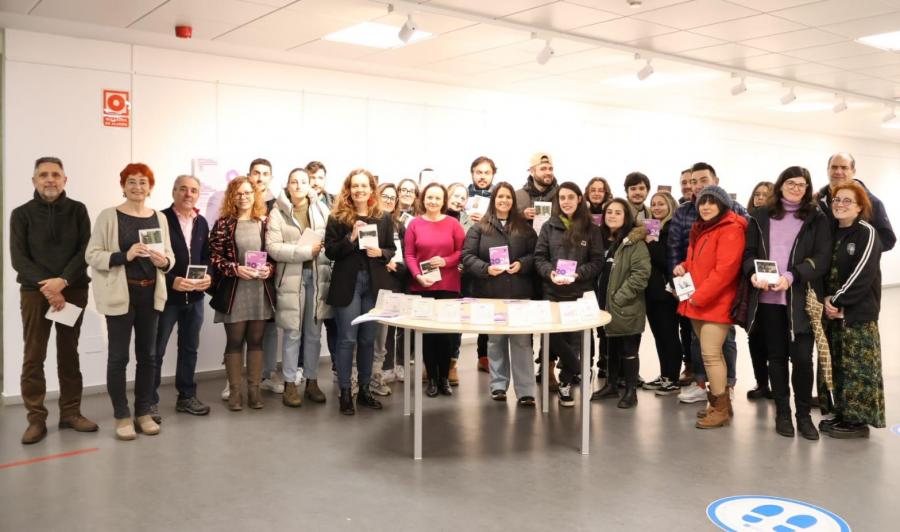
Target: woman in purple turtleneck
x=796 y=235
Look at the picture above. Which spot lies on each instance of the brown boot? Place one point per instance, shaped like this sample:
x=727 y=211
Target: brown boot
x=704 y=412
x=313 y=392
x=233 y=366
x=554 y=382
x=254 y=376
x=34 y=433
x=718 y=416
x=454 y=375
x=78 y=423
x=291 y=396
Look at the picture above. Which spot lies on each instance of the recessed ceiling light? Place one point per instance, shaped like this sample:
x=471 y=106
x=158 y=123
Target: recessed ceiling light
x=375 y=35
x=884 y=41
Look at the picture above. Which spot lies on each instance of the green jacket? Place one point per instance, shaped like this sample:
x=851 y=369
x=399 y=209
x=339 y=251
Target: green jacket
x=627 y=280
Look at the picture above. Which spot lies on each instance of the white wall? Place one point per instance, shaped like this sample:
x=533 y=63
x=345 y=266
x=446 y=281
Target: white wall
x=189 y=105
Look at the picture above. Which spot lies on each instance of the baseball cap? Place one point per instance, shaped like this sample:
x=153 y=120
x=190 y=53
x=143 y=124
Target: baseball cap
x=538 y=158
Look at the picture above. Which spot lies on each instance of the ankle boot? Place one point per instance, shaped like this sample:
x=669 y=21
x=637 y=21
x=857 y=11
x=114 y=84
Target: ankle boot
x=629 y=399
x=313 y=393
x=365 y=398
x=784 y=425
x=453 y=377
x=551 y=377
x=631 y=369
x=444 y=387
x=345 y=403
x=432 y=389
x=254 y=376
x=718 y=414
x=709 y=401
x=233 y=365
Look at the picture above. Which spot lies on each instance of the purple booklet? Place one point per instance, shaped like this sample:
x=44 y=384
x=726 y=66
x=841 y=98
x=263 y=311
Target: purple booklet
x=598 y=219
x=653 y=226
x=566 y=269
x=500 y=256
x=255 y=259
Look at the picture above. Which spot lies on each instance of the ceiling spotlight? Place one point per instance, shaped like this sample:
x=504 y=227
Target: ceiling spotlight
x=889 y=116
x=645 y=72
x=406 y=32
x=545 y=54
x=840 y=106
x=740 y=88
x=634 y=4
x=788 y=97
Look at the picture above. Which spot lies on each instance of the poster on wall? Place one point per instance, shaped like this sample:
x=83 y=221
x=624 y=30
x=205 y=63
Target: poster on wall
x=213 y=182
x=116 y=108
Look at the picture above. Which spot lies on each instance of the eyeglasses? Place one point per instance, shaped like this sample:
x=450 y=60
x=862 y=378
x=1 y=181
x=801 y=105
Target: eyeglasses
x=407 y=191
x=761 y=195
x=795 y=185
x=843 y=201
x=244 y=194
x=388 y=197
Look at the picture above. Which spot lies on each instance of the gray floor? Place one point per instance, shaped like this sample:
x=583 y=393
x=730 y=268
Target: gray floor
x=487 y=466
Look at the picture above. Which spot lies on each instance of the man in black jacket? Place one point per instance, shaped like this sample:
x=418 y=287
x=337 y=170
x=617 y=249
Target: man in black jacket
x=48 y=237
x=189 y=235
x=841 y=169
x=540 y=186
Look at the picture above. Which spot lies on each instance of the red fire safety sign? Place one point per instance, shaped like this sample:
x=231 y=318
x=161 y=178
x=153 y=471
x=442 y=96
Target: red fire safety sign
x=116 y=108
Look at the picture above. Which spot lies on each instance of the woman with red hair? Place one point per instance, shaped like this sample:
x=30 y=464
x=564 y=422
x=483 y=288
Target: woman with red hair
x=129 y=253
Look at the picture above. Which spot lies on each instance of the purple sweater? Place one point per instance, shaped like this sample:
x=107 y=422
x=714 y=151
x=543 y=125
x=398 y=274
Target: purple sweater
x=782 y=234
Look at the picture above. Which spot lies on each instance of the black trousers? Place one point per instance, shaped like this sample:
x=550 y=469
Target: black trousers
x=664 y=325
x=685 y=333
x=759 y=356
x=773 y=319
x=141 y=317
x=438 y=348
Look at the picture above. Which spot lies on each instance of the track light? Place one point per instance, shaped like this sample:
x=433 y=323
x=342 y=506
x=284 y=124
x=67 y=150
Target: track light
x=545 y=54
x=406 y=32
x=634 y=4
x=788 y=97
x=740 y=88
x=645 y=72
x=840 y=105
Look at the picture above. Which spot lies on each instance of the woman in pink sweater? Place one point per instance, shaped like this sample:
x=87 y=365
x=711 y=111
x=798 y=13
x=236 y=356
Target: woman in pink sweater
x=435 y=240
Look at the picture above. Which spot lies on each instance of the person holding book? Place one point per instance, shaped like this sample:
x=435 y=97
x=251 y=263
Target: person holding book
x=48 y=236
x=294 y=239
x=499 y=255
x=407 y=198
x=793 y=237
x=483 y=171
x=714 y=256
x=432 y=247
x=620 y=291
x=568 y=258
x=661 y=306
x=184 y=304
x=852 y=306
x=130 y=290
x=243 y=291
x=359 y=238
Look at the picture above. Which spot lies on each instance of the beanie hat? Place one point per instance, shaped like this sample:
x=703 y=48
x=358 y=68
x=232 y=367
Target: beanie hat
x=717 y=192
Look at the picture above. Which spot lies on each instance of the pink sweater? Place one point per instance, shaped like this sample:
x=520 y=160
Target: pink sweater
x=426 y=239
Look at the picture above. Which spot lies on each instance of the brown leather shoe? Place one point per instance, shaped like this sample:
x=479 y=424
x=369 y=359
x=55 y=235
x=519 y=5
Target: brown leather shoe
x=291 y=396
x=78 y=423
x=454 y=374
x=34 y=433
x=313 y=393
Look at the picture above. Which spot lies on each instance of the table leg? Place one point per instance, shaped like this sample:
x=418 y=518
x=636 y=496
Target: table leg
x=586 y=392
x=545 y=373
x=417 y=415
x=407 y=340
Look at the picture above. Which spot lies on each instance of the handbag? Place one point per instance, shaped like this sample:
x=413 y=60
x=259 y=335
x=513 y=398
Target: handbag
x=741 y=306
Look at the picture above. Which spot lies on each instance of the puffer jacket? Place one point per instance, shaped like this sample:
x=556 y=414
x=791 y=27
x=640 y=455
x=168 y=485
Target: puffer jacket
x=714 y=262
x=553 y=244
x=282 y=236
x=627 y=282
x=476 y=257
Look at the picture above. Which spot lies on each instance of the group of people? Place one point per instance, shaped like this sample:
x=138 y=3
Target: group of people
x=299 y=258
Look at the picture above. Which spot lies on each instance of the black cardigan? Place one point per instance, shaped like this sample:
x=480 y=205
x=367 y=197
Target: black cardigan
x=660 y=274
x=348 y=258
x=476 y=258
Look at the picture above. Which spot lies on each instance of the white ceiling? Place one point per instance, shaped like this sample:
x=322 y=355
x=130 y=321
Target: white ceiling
x=488 y=44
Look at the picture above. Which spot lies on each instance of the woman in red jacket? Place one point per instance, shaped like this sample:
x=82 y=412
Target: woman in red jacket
x=713 y=260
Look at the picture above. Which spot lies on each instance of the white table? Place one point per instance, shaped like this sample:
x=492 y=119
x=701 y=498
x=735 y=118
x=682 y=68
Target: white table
x=421 y=326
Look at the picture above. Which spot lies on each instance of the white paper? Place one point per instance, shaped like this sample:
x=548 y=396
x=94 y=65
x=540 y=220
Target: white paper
x=477 y=204
x=309 y=237
x=67 y=316
x=684 y=286
x=368 y=236
x=519 y=314
x=449 y=311
x=540 y=311
x=570 y=312
x=423 y=308
x=406 y=304
x=152 y=238
x=589 y=307
x=373 y=315
x=766 y=270
x=481 y=313
x=393 y=302
x=398 y=256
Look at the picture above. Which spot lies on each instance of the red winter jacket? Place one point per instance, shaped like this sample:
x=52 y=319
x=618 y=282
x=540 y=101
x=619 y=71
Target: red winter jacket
x=714 y=262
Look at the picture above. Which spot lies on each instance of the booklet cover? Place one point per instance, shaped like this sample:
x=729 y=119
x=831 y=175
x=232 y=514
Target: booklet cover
x=153 y=239
x=195 y=272
x=430 y=272
x=255 y=259
x=368 y=236
x=423 y=308
x=653 y=227
x=481 y=313
x=766 y=270
x=684 y=286
x=519 y=314
x=477 y=204
x=566 y=269
x=542 y=208
x=664 y=188
x=500 y=256
x=597 y=218
x=448 y=311
x=405 y=218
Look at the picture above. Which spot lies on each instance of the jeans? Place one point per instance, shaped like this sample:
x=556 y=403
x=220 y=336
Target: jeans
x=730 y=350
x=512 y=350
x=270 y=349
x=189 y=319
x=310 y=337
x=142 y=317
x=36 y=329
x=361 y=336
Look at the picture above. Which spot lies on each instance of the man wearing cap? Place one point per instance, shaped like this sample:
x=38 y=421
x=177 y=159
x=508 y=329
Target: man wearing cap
x=540 y=186
x=48 y=237
x=702 y=176
x=842 y=169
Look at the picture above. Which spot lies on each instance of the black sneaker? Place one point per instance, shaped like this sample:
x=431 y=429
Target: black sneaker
x=154 y=414
x=668 y=388
x=498 y=395
x=565 y=395
x=192 y=406
x=759 y=393
x=655 y=384
x=827 y=424
x=366 y=399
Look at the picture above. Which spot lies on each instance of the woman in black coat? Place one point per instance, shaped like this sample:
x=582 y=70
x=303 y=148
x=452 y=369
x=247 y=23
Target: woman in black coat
x=569 y=234
x=504 y=227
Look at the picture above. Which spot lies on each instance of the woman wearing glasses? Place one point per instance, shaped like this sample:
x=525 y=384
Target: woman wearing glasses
x=762 y=193
x=407 y=194
x=795 y=234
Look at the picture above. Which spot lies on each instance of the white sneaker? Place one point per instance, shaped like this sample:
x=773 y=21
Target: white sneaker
x=382 y=389
x=226 y=393
x=399 y=374
x=388 y=376
x=692 y=394
x=273 y=385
